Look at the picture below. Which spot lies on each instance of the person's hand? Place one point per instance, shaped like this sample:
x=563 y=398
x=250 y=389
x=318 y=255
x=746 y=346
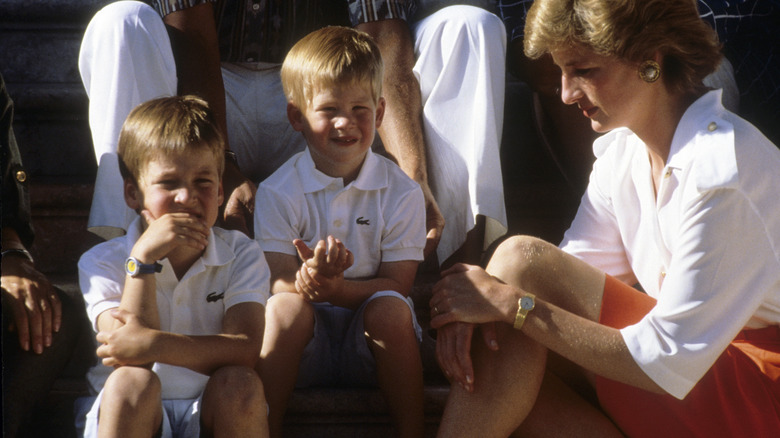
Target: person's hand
x=130 y=344
x=37 y=310
x=434 y=221
x=240 y=205
x=168 y=232
x=329 y=259
x=317 y=288
x=453 y=350
x=467 y=293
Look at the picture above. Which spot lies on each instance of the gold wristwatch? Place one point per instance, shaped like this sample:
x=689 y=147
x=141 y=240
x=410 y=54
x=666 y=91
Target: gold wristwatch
x=524 y=305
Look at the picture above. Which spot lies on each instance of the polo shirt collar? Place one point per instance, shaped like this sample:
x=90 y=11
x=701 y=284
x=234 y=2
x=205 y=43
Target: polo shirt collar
x=372 y=175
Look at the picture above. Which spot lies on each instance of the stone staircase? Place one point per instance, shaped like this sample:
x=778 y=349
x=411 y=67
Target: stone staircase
x=39 y=43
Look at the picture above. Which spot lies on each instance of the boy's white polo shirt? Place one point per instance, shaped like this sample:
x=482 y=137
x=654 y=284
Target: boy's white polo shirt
x=380 y=216
x=231 y=271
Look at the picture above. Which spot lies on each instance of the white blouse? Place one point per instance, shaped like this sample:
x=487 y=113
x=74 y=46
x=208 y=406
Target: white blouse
x=707 y=247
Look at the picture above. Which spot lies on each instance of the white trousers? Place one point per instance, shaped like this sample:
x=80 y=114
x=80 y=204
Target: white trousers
x=126 y=59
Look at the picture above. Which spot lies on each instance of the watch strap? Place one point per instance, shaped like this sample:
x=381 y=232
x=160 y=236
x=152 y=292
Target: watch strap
x=523 y=309
x=134 y=267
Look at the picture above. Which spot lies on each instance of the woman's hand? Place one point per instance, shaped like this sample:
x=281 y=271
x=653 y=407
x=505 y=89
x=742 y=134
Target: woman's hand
x=467 y=293
x=453 y=350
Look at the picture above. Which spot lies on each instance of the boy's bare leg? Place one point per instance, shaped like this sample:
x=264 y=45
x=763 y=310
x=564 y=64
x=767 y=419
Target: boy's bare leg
x=131 y=404
x=388 y=325
x=289 y=327
x=234 y=404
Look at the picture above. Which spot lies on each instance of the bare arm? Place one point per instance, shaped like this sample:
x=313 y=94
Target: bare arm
x=402 y=127
x=471 y=295
x=135 y=344
x=283 y=268
x=195 y=46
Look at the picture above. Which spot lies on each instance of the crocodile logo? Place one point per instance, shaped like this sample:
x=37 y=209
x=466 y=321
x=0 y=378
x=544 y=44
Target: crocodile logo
x=214 y=297
x=361 y=221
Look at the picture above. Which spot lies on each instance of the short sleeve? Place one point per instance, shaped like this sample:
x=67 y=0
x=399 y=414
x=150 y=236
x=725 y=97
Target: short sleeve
x=274 y=221
x=709 y=292
x=404 y=234
x=250 y=277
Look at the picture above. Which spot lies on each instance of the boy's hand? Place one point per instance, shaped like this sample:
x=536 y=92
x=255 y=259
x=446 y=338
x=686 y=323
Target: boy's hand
x=329 y=259
x=316 y=287
x=129 y=344
x=168 y=232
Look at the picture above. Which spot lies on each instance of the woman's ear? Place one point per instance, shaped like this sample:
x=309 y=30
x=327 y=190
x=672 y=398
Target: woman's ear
x=295 y=116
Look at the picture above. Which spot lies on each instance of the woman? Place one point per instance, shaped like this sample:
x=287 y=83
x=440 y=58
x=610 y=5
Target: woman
x=682 y=202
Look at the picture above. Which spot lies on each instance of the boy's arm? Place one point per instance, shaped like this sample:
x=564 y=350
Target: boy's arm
x=239 y=344
x=396 y=276
x=283 y=268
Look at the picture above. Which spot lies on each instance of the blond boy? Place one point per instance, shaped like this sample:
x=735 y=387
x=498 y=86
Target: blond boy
x=178 y=304
x=343 y=316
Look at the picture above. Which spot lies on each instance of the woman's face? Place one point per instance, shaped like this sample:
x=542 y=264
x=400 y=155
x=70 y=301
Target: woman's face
x=607 y=90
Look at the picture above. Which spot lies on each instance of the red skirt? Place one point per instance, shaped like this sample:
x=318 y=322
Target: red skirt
x=738 y=397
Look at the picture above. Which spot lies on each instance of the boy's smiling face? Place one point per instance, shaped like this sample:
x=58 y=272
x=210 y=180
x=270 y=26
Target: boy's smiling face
x=339 y=125
x=187 y=182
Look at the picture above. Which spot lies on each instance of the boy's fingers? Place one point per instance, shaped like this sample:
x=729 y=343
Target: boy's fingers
x=304 y=252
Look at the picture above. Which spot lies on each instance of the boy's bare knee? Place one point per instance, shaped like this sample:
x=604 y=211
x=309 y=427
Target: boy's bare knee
x=235 y=388
x=288 y=309
x=387 y=316
x=134 y=384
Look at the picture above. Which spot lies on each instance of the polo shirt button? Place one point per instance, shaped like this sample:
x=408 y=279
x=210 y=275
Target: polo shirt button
x=712 y=126
x=337 y=223
x=256 y=6
x=21 y=176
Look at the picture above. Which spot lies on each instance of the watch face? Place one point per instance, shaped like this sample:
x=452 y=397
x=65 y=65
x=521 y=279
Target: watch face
x=527 y=303
x=131 y=266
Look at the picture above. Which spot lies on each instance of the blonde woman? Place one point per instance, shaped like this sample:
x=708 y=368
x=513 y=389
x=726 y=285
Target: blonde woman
x=682 y=203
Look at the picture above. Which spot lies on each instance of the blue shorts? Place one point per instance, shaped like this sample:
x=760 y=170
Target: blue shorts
x=180 y=417
x=338 y=354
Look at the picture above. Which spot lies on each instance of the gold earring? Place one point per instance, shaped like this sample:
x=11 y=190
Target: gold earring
x=649 y=71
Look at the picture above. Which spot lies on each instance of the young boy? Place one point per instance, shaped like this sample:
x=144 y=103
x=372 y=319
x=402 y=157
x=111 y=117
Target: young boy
x=178 y=304
x=339 y=319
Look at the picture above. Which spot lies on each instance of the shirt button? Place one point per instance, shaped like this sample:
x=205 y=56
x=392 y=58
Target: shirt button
x=256 y=7
x=21 y=176
x=712 y=126
x=668 y=173
x=663 y=274
x=337 y=223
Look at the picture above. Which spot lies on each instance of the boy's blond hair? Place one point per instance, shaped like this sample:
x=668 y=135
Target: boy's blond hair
x=330 y=56
x=168 y=126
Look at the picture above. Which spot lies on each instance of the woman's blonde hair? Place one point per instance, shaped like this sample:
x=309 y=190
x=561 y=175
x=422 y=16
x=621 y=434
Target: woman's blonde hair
x=165 y=127
x=330 y=56
x=633 y=30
